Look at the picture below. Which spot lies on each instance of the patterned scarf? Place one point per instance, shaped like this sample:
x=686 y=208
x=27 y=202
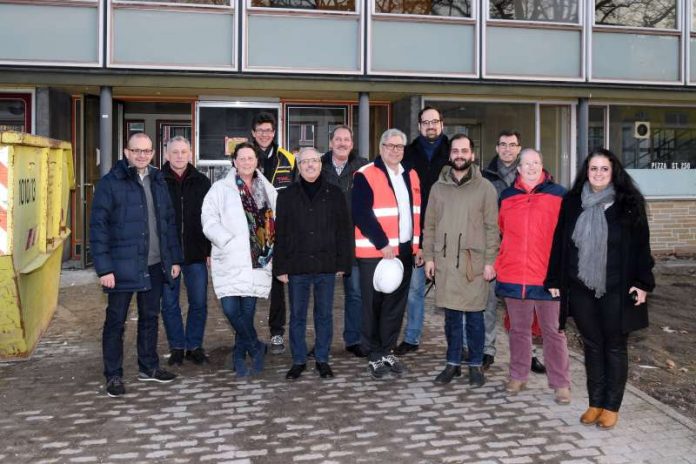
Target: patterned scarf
x=260 y=221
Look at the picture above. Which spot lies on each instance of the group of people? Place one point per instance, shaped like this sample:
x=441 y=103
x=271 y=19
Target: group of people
x=420 y=212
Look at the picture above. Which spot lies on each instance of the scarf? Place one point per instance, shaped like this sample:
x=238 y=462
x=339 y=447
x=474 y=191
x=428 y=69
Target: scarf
x=259 y=220
x=430 y=147
x=507 y=173
x=590 y=236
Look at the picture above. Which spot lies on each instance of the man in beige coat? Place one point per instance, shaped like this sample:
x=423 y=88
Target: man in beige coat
x=461 y=240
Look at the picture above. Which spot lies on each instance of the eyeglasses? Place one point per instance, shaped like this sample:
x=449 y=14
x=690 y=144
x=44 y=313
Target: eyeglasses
x=392 y=147
x=138 y=151
x=311 y=161
x=508 y=145
x=432 y=122
x=264 y=131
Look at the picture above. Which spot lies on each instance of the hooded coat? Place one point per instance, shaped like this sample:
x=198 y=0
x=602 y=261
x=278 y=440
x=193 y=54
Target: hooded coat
x=461 y=236
x=225 y=225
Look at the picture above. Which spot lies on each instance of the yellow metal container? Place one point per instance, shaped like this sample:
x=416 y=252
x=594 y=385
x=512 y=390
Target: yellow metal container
x=36 y=176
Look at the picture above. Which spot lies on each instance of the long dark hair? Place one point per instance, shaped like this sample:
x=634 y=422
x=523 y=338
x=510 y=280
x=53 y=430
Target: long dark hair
x=628 y=196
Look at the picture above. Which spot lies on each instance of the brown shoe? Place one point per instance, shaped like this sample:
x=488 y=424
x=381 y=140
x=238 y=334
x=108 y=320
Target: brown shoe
x=513 y=387
x=607 y=420
x=562 y=395
x=591 y=415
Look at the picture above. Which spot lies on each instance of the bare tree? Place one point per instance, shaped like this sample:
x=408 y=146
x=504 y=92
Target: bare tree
x=637 y=13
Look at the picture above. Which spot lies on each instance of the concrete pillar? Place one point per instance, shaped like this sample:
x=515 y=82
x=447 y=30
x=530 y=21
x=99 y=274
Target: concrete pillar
x=364 y=125
x=583 y=130
x=105 y=130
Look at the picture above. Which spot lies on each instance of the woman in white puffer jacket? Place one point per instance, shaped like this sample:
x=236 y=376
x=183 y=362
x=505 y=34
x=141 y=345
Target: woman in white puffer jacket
x=238 y=218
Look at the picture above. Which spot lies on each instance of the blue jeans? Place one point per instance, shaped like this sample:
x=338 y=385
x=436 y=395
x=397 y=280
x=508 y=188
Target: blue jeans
x=352 y=321
x=415 y=309
x=240 y=311
x=299 y=287
x=196 y=280
x=115 y=324
x=475 y=336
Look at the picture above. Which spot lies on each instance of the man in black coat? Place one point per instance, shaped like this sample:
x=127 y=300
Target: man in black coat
x=313 y=245
x=187 y=187
x=337 y=167
x=135 y=250
x=427 y=154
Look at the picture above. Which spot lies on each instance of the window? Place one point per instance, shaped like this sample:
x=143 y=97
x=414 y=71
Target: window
x=456 y=8
x=15 y=112
x=660 y=14
x=653 y=137
x=327 y=5
x=183 y=2
x=310 y=126
x=558 y=11
x=595 y=136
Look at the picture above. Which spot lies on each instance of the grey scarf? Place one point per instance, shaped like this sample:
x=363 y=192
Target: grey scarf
x=590 y=236
x=507 y=173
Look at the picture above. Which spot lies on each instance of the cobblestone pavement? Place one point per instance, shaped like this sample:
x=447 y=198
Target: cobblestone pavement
x=53 y=408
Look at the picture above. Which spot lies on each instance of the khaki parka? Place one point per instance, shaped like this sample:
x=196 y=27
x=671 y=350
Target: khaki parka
x=461 y=236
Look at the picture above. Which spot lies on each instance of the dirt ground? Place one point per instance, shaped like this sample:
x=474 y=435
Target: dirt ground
x=663 y=356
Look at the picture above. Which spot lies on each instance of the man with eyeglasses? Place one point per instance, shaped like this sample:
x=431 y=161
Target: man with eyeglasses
x=427 y=154
x=135 y=249
x=501 y=171
x=337 y=168
x=386 y=203
x=278 y=165
x=313 y=245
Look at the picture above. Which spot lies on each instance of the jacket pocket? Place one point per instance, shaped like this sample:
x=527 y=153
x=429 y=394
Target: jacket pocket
x=470 y=261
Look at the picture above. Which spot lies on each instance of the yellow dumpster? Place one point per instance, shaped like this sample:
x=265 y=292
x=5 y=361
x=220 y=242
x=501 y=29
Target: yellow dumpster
x=36 y=176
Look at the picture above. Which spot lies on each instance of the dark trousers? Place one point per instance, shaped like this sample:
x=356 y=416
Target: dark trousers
x=475 y=336
x=300 y=288
x=606 y=346
x=115 y=323
x=276 y=311
x=383 y=313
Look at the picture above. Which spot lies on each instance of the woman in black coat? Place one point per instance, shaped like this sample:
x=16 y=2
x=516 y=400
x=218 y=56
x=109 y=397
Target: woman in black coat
x=601 y=268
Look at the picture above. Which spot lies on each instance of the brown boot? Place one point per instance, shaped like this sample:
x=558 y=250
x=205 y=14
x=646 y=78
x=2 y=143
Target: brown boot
x=607 y=420
x=591 y=415
x=513 y=387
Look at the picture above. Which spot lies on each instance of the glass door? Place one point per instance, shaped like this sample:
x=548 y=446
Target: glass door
x=555 y=125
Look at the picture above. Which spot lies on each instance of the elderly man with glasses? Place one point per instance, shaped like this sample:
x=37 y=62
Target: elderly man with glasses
x=386 y=205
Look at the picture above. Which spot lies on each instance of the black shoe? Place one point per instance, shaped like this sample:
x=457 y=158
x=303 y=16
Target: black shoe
x=115 y=388
x=310 y=353
x=357 y=350
x=537 y=366
x=158 y=375
x=476 y=377
x=198 y=356
x=404 y=348
x=377 y=369
x=176 y=357
x=488 y=361
x=295 y=371
x=393 y=363
x=324 y=370
x=448 y=373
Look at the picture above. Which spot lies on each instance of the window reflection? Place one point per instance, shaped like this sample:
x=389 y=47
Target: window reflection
x=637 y=13
x=186 y=2
x=562 y=11
x=13 y=114
x=329 y=5
x=457 y=8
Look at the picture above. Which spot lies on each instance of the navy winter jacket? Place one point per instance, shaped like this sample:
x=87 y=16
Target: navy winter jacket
x=119 y=231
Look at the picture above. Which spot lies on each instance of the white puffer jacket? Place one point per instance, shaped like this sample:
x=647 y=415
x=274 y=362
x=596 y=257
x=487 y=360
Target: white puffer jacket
x=225 y=225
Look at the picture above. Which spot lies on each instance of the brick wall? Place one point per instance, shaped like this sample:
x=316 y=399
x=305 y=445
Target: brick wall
x=672 y=226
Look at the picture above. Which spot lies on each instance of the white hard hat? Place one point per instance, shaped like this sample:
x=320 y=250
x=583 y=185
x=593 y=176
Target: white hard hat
x=388 y=275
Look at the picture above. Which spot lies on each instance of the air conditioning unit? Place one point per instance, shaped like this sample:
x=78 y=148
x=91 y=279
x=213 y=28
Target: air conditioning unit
x=641 y=130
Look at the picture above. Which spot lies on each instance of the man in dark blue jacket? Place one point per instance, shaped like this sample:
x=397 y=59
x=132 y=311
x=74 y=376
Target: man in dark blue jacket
x=135 y=249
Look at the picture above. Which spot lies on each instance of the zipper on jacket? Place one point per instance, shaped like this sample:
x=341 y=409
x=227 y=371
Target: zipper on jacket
x=459 y=248
x=444 y=248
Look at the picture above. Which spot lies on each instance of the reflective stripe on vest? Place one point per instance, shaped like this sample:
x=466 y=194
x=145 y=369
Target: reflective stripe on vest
x=386 y=210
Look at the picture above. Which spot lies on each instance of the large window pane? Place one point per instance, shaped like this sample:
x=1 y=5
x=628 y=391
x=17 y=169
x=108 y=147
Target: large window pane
x=653 y=137
x=637 y=13
x=459 y=8
x=14 y=113
x=596 y=128
x=330 y=5
x=183 y=2
x=379 y=122
x=483 y=121
x=555 y=141
x=310 y=126
x=562 y=11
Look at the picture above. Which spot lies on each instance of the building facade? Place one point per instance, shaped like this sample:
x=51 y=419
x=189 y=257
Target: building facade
x=569 y=75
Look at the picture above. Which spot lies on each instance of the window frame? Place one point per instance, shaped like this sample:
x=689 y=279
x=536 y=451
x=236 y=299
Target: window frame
x=168 y=4
x=638 y=29
x=28 y=96
x=475 y=5
x=305 y=11
x=582 y=5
